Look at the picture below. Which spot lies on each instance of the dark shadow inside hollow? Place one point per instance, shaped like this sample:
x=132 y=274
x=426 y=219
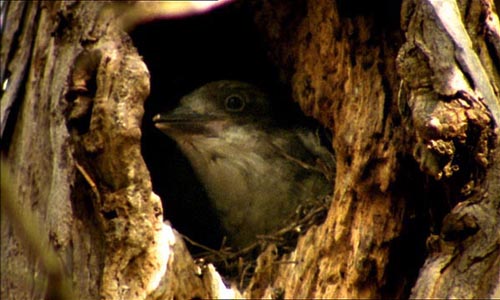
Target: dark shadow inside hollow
x=183 y=54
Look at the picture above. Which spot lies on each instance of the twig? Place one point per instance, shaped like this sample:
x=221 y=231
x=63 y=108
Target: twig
x=90 y=182
x=241 y=261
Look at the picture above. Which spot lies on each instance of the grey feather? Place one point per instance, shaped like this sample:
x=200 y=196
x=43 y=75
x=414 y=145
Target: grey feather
x=255 y=171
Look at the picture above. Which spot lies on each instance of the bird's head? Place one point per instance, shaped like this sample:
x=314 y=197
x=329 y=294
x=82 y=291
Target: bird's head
x=214 y=107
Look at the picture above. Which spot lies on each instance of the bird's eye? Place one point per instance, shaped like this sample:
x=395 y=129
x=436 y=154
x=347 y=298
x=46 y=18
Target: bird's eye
x=235 y=103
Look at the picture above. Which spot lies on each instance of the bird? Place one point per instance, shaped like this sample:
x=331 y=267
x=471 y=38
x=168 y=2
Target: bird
x=255 y=168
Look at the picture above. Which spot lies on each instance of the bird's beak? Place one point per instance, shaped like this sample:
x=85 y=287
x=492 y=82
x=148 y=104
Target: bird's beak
x=186 y=122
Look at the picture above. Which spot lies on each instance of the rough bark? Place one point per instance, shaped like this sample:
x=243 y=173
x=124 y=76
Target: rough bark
x=413 y=107
x=449 y=66
x=340 y=62
x=73 y=111
x=37 y=55
x=343 y=73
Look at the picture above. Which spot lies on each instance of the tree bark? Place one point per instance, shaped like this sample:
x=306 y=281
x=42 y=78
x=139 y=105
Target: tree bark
x=37 y=56
x=409 y=90
x=342 y=69
x=442 y=110
x=73 y=113
x=455 y=111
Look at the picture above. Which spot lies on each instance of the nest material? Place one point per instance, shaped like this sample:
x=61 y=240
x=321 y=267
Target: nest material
x=238 y=265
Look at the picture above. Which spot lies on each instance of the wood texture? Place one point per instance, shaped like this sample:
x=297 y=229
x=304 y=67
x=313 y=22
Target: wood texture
x=341 y=72
x=448 y=65
x=410 y=91
x=76 y=162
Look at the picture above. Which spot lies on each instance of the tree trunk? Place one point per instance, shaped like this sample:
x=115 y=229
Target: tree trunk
x=410 y=91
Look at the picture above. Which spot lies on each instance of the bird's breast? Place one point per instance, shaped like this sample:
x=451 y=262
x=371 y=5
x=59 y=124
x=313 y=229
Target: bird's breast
x=253 y=187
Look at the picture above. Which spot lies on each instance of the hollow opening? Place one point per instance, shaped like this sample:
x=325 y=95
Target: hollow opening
x=182 y=55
